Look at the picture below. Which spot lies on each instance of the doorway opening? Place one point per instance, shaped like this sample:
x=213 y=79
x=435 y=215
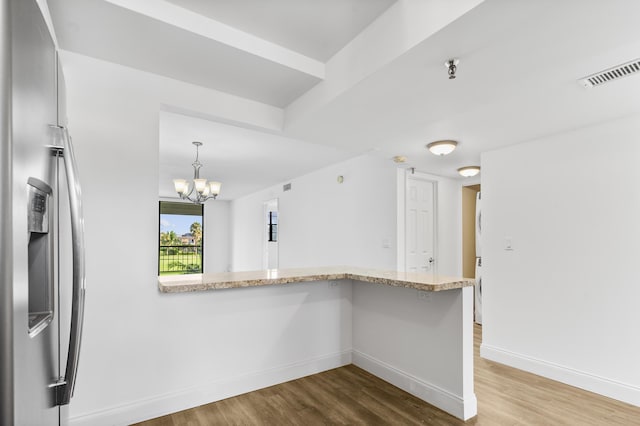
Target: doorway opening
x=471 y=248
x=469 y=195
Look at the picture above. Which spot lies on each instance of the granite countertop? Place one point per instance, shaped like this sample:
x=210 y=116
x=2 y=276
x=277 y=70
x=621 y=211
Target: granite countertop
x=227 y=280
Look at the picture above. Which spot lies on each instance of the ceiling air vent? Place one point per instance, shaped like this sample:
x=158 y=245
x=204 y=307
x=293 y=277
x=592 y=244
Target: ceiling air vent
x=615 y=73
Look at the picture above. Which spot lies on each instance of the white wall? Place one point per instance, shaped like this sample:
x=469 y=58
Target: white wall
x=450 y=226
x=217 y=236
x=323 y=222
x=565 y=302
x=146 y=353
x=421 y=342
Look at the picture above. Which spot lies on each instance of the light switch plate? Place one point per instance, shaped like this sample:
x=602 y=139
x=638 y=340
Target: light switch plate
x=508 y=243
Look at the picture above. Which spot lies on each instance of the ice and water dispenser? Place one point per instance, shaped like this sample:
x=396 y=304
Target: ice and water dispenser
x=40 y=252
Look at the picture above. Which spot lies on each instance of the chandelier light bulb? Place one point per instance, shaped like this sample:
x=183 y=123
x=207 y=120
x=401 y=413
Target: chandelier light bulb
x=215 y=187
x=201 y=184
x=180 y=185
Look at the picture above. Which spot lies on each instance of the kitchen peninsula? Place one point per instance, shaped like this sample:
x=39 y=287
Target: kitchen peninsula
x=414 y=330
x=226 y=280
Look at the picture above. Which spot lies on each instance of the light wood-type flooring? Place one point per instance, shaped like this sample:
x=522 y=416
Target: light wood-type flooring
x=351 y=396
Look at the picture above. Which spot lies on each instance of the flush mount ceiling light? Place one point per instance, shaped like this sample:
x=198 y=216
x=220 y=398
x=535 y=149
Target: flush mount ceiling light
x=200 y=190
x=442 y=147
x=469 y=171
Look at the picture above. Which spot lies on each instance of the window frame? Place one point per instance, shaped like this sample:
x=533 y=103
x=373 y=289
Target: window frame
x=271 y=226
x=186 y=206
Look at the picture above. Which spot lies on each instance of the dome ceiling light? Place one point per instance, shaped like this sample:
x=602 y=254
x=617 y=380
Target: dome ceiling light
x=469 y=171
x=442 y=147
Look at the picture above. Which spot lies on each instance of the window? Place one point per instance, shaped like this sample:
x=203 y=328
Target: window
x=180 y=248
x=272 y=231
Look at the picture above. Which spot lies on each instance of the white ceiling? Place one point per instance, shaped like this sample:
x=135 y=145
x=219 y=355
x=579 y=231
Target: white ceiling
x=517 y=80
x=244 y=160
x=519 y=62
x=314 y=28
x=107 y=31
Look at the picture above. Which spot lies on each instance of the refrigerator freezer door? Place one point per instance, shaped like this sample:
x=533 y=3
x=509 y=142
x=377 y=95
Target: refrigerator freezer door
x=6 y=226
x=34 y=105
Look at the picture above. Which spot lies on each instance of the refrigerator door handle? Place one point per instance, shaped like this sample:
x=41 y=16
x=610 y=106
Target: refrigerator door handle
x=65 y=385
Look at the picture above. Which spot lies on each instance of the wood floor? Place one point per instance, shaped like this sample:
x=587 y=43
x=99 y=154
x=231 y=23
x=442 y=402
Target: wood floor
x=351 y=396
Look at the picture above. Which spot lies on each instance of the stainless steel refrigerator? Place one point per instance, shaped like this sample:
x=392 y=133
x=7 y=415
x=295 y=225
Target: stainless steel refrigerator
x=41 y=227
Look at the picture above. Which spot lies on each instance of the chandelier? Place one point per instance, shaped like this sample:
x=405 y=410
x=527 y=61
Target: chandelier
x=200 y=190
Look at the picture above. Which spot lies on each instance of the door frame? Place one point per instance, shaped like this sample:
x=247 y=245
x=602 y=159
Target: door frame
x=402 y=181
x=468 y=216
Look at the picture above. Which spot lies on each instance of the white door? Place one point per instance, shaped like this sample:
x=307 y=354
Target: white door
x=419 y=225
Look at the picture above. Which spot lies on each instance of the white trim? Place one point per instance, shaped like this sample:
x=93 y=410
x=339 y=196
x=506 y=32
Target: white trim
x=453 y=404
x=168 y=403
x=400 y=225
x=581 y=379
x=436 y=245
x=46 y=14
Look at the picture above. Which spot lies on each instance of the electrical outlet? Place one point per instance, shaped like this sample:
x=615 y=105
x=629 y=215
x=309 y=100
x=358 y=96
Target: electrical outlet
x=424 y=295
x=333 y=283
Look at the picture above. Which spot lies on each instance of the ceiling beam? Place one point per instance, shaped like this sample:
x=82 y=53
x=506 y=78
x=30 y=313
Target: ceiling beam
x=400 y=28
x=187 y=20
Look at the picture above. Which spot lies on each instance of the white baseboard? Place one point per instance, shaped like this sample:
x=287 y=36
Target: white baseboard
x=462 y=408
x=580 y=379
x=161 y=405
